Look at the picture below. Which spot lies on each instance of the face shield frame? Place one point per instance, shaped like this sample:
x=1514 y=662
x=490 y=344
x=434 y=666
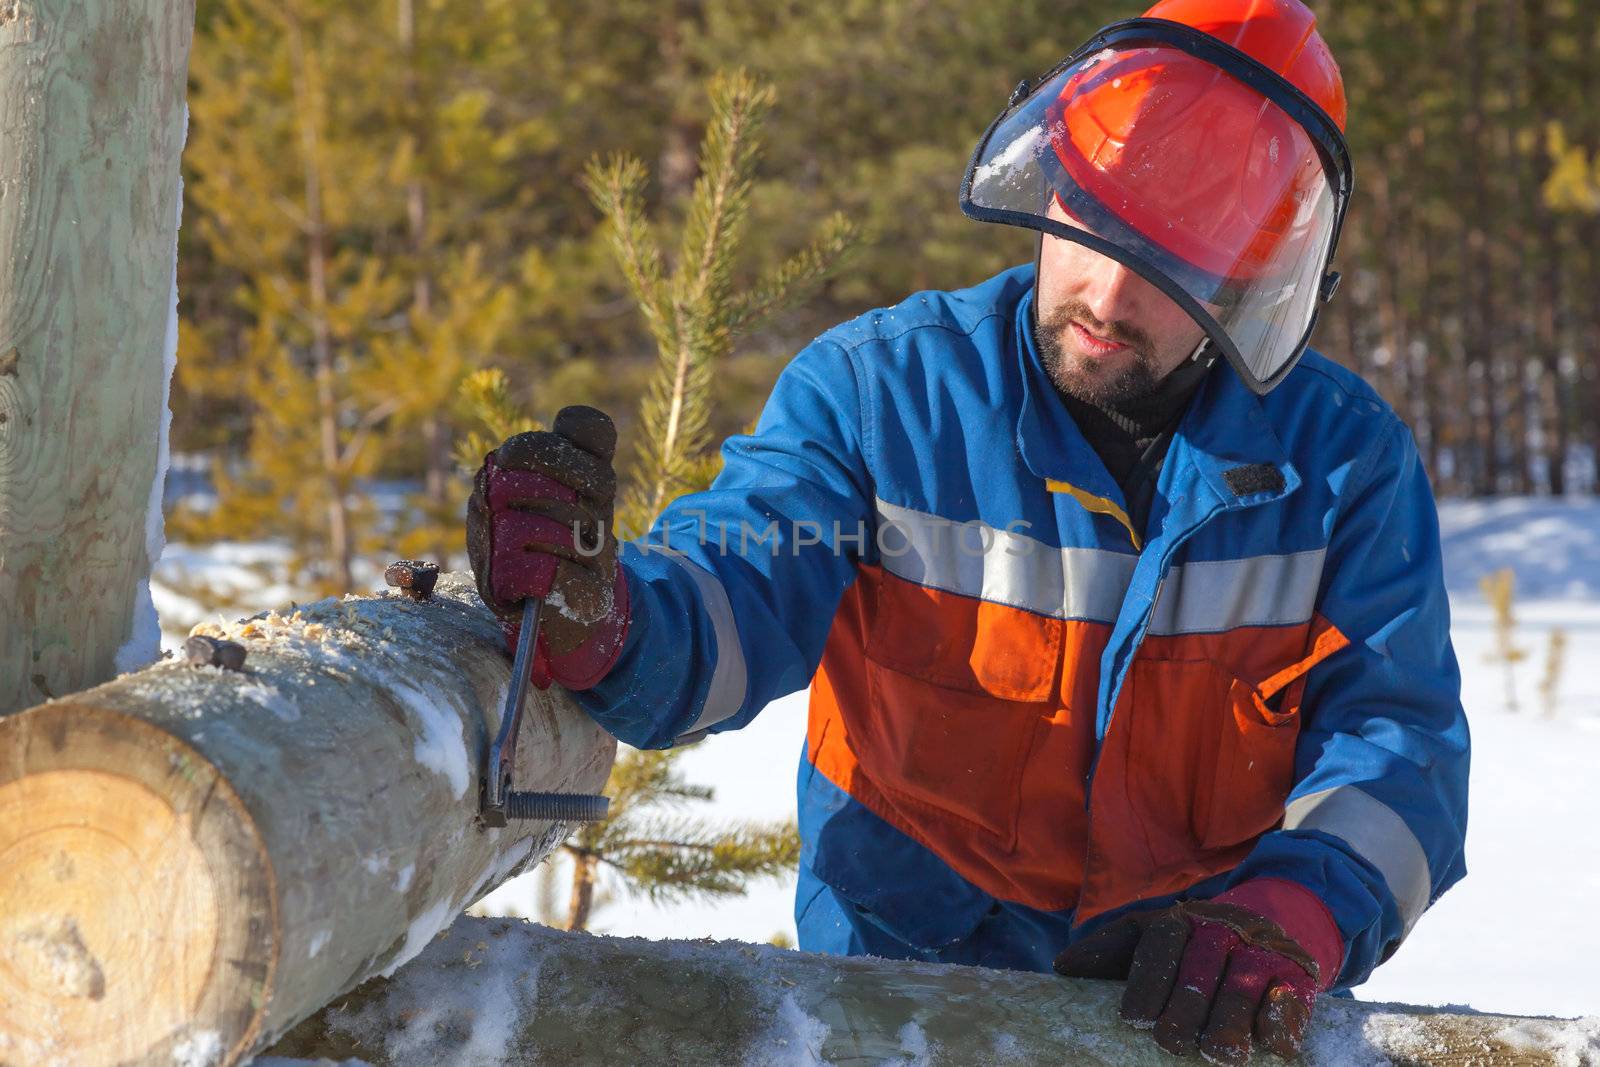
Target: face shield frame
x=1323 y=133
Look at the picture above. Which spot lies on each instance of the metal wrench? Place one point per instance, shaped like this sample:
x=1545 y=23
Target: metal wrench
x=497 y=803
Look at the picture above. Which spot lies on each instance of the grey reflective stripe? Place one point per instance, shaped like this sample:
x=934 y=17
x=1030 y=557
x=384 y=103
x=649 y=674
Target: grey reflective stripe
x=1211 y=596
x=1008 y=567
x=728 y=680
x=1002 y=566
x=1376 y=834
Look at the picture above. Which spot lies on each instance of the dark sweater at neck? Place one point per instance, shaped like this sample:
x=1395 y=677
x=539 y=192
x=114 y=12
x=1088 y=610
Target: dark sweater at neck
x=1132 y=439
x=1122 y=434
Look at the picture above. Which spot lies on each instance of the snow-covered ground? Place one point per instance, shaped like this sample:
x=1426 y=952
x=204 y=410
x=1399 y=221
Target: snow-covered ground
x=1520 y=932
x=1518 y=935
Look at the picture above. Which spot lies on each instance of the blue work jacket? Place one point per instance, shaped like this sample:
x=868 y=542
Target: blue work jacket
x=1027 y=716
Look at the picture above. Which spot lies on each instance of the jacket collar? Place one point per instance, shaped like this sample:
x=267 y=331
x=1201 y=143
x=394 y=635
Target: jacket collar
x=1228 y=439
x=1225 y=441
x=1048 y=438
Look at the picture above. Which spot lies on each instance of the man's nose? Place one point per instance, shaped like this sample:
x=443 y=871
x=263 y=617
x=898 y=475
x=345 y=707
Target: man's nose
x=1113 y=292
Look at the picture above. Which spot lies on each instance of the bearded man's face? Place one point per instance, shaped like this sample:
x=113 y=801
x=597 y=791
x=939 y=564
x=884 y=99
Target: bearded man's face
x=1106 y=334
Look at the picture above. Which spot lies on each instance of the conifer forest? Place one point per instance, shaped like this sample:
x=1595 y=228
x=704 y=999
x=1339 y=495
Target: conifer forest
x=396 y=237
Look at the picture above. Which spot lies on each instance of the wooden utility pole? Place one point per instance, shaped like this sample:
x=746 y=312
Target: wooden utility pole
x=505 y=992
x=194 y=858
x=91 y=127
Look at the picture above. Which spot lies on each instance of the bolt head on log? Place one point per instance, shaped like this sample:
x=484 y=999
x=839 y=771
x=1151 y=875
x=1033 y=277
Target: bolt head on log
x=203 y=651
x=413 y=577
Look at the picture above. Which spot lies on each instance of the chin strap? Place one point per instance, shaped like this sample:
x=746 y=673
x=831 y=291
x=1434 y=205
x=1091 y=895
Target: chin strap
x=1038 y=265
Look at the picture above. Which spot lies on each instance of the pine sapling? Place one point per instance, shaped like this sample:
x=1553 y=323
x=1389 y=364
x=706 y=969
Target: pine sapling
x=695 y=313
x=417 y=368
x=281 y=142
x=664 y=855
x=488 y=409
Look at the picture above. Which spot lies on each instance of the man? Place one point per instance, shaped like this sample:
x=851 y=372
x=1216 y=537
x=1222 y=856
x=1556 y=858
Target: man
x=1123 y=657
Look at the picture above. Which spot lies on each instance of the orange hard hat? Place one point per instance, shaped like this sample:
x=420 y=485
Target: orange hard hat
x=1281 y=35
x=1142 y=131
x=1202 y=145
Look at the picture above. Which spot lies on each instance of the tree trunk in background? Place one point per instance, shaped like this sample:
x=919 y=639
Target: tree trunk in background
x=1477 y=290
x=678 y=166
x=1433 y=371
x=1585 y=125
x=1393 y=332
x=519 y=993
x=197 y=858
x=308 y=98
x=91 y=128
x=1471 y=451
x=1515 y=355
x=579 y=908
x=1547 y=325
x=435 y=434
x=1523 y=358
x=1587 y=335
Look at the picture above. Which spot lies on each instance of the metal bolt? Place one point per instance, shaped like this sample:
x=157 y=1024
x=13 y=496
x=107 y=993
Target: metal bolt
x=205 y=651
x=413 y=577
x=558 y=807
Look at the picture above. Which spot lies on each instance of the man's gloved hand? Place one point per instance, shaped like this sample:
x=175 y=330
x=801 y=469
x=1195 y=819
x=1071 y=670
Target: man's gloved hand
x=530 y=498
x=1216 y=976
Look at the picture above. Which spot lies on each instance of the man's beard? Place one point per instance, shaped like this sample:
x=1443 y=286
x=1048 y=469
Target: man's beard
x=1082 y=377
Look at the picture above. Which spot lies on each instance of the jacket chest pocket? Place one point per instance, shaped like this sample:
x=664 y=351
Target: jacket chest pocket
x=960 y=692
x=1211 y=755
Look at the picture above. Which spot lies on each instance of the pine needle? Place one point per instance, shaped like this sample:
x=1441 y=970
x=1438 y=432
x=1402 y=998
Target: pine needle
x=486 y=399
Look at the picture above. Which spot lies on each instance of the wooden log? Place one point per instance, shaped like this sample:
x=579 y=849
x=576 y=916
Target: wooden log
x=192 y=859
x=91 y=127
x=503 y=992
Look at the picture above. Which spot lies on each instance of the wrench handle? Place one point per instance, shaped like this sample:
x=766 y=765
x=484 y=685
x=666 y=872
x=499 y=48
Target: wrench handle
x=503 y=751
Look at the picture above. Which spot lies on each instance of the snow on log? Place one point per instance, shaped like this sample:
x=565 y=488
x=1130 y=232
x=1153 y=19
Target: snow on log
x=91 y=127
x=496 y=992
x=192 y=859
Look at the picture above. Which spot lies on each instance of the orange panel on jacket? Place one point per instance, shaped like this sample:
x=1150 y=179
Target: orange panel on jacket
x=969 y=726
x=944 y=715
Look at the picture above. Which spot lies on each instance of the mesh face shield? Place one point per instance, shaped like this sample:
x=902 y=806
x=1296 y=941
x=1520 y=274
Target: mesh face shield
x=1189 y=162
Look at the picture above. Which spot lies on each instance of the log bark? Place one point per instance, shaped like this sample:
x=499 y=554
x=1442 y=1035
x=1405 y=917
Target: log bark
x=193 y=859
x=496 y=991
x=91 y=128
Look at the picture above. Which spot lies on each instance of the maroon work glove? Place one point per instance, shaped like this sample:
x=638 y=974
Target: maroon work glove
x=539 y=524
x=1217 y=976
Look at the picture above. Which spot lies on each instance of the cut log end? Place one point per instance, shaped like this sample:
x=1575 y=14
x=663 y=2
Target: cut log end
x=139 y=899
x=197 y=858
